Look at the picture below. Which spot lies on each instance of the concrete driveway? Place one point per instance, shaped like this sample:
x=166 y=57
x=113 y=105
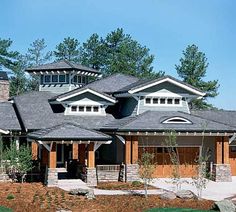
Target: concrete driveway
x=214 y=191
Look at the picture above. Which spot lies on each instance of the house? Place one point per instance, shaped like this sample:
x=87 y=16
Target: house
x=80 y=125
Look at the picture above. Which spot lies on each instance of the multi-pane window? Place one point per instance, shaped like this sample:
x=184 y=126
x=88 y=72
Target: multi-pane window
x=162 y=101
x=85 y=109
x=54 y=78
x=78 y=79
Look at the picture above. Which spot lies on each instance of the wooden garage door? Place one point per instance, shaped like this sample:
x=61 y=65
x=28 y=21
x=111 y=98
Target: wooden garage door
x=232 y=159
x=164 y=167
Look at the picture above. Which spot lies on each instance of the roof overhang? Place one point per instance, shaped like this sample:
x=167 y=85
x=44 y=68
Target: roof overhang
x=79 y=92
x=167 y=79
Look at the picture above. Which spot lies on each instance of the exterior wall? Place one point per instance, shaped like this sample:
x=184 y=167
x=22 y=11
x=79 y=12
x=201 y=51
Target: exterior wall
x=4 y=90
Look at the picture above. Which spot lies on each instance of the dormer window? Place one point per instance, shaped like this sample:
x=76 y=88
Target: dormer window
x=84 y=109
x=177 y=120
x=170 y=101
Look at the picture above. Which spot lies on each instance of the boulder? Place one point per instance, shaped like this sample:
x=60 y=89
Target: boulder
x=225 y=205
x=168 y=195
x=89 y=193
x=186 y=194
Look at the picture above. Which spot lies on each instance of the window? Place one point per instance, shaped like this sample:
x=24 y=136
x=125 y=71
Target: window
x=233 y=149
x=95 y=109
x=81 y=108
x=78 y=79
x=151 y=101
x=148 y=100
x=155 y=100
x=169 y=101
x=54 y=78
x=62 y=78
x=162 y=101
x=177 y=120
x=73 y=108
x=177 y=101
x=88 y=109
x=47 y=78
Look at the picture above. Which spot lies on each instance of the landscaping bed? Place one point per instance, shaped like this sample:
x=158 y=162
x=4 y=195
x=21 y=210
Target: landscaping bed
x=136 y=185
x=35 y=197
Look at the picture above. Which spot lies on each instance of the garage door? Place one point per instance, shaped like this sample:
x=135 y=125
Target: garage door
x=163 y=165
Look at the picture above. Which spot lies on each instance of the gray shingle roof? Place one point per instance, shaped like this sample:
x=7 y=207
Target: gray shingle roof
x=153 y=121
x=61 y=65
x=221 y=116
x=144 y=82
x=8 y=118
x=68 y=131
x=36 y=113
x=112 y=83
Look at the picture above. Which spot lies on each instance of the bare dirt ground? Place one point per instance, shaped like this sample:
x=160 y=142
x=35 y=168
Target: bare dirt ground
x=35 y=197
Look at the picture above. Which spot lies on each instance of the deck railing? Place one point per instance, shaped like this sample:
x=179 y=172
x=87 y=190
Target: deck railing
x=108 y=167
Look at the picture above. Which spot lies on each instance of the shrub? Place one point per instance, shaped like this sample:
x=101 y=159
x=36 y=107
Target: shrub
x=136 y=183
x=4 y=209
x=10 y=196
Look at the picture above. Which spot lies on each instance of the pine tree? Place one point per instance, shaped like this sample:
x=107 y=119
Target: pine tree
x=192 y=69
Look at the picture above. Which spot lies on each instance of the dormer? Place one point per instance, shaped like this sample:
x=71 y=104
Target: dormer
x=63 y=76
x=84 y=102
x=163 y=94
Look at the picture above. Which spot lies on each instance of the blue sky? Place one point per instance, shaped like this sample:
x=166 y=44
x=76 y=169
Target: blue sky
x=165 y=26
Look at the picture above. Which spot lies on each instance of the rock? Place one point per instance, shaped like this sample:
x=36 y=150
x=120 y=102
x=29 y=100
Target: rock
x=89 y=193
x=62 y=210
x=225 y=205
x=168 y=195
x=186 y=194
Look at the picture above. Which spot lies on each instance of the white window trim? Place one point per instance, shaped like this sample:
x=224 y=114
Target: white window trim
x=171 y=120
x=166 y=104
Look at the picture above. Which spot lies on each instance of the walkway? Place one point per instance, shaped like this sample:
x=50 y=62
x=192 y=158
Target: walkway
x=214 y=191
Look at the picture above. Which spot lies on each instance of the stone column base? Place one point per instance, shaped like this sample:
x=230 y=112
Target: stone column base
x=91 y=178
x=131 y=172
x=222 y=173
x=51 y=177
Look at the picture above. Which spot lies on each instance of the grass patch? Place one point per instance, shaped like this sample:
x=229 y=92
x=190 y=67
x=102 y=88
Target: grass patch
x=4 y=209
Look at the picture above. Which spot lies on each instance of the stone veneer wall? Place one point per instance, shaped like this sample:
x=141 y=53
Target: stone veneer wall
x=51 y=177
x=91 y=178
x=4 y=90
x=132 y=172
x=222 y=173
x=104 y=176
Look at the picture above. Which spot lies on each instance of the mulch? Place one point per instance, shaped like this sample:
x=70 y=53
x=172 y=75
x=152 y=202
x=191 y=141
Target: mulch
x=35 y=197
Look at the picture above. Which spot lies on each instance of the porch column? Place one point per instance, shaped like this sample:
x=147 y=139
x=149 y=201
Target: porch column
x=51 y=172
x=131 y=159
x=34 y=149
x=52 y=156
x=222 y=169
x=128 y=150
x=75 y=151
x=91 y=156
x=91 y=178
x=134 y=150
x=81 y=153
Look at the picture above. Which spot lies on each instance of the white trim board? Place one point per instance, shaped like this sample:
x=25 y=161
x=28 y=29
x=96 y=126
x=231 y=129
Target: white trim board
x=171 y=81
x=84 y=91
